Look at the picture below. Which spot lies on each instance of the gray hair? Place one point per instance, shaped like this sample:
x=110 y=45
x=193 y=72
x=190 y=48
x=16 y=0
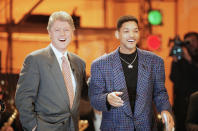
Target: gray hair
x=62 y=16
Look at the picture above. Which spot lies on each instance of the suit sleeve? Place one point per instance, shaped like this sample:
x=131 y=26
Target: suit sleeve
x=84 y=91
x=97 y=89
x=161 y=98
x=27 y=88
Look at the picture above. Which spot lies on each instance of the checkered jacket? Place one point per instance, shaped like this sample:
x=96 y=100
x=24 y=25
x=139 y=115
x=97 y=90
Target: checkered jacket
x=107 y=76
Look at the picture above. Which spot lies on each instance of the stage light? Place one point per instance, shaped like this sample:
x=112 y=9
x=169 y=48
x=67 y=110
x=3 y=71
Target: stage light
x=153 y=42
x=155 y=17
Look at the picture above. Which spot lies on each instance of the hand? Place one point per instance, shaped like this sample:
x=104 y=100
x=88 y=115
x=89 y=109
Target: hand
x=114 y=99
x=34 y=129
x=170 y=121
x=175 y=59
x=186 y=54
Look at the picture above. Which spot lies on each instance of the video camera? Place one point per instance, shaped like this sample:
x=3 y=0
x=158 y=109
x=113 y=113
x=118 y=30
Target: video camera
x=177 y=47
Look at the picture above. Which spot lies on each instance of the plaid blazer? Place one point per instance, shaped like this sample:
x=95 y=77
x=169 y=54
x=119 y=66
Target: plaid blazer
x=107 y=76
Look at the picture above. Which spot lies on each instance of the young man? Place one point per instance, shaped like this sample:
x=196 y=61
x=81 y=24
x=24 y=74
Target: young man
x=51 y=80
x=125 y=82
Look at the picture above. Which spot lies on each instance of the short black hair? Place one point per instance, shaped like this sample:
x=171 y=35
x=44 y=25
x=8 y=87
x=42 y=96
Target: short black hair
x=124 y=19
x=191 y=34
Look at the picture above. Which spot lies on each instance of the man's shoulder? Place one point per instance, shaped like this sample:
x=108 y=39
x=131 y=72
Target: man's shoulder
x=39 y=52
x=106 y=58
x=38 y=55
x=150 y=55
x=76 y=57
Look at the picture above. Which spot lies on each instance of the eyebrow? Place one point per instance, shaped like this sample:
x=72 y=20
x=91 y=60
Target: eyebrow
x=133 y=28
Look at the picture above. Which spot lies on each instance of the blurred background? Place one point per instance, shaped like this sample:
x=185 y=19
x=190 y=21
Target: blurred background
x=23 y=29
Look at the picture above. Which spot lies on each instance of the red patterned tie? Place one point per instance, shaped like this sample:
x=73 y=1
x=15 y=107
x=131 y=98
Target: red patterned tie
x=66 y=69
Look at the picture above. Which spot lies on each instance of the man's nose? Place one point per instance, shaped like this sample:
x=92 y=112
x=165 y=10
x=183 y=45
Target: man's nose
x=131 y=34
x=62 y=32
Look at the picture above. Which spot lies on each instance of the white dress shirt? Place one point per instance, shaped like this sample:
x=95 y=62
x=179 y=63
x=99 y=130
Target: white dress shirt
x=59 y=55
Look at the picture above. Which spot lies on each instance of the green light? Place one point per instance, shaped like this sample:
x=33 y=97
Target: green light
x=155 y=17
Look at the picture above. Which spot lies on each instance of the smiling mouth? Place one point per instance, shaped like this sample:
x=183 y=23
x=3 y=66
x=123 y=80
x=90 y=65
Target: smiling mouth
x=131 y=40
x=62 y=40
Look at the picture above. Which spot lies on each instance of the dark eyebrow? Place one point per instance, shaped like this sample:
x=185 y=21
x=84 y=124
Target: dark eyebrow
x=133 y=29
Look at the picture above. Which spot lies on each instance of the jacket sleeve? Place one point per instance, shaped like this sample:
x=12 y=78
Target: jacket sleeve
x=161 y=98
x=97 y=89
x=84 y=91
x=27 y=88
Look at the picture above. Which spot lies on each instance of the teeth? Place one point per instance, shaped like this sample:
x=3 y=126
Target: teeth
x=130 y=40
x=62 y=39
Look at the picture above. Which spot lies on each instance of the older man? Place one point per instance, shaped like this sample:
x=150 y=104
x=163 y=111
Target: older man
x=49 y=88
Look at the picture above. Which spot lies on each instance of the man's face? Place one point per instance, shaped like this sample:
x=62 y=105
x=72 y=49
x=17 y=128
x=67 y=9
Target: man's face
x=61 y=35
x=193 y=46
x=128 y=36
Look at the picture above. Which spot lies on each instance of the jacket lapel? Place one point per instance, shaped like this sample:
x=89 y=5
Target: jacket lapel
x=57 y=74
x=142 y=72
x=119 y=81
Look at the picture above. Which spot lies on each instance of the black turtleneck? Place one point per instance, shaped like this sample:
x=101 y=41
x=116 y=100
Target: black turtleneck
x=130 y=75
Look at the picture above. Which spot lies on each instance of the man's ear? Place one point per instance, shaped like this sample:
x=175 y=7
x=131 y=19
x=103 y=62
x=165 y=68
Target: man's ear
x=117 y=34
x=49 y=35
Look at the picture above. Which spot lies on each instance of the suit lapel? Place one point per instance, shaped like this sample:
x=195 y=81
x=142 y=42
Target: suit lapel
x=118 y=74
x=119 y=81
x=57 y=74
x=142 y=71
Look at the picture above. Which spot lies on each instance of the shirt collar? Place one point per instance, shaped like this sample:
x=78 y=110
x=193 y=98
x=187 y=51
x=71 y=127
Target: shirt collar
x=57 y=53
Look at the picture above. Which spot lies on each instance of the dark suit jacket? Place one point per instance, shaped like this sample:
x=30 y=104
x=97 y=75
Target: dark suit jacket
x=107 y=76
x=41 y=95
